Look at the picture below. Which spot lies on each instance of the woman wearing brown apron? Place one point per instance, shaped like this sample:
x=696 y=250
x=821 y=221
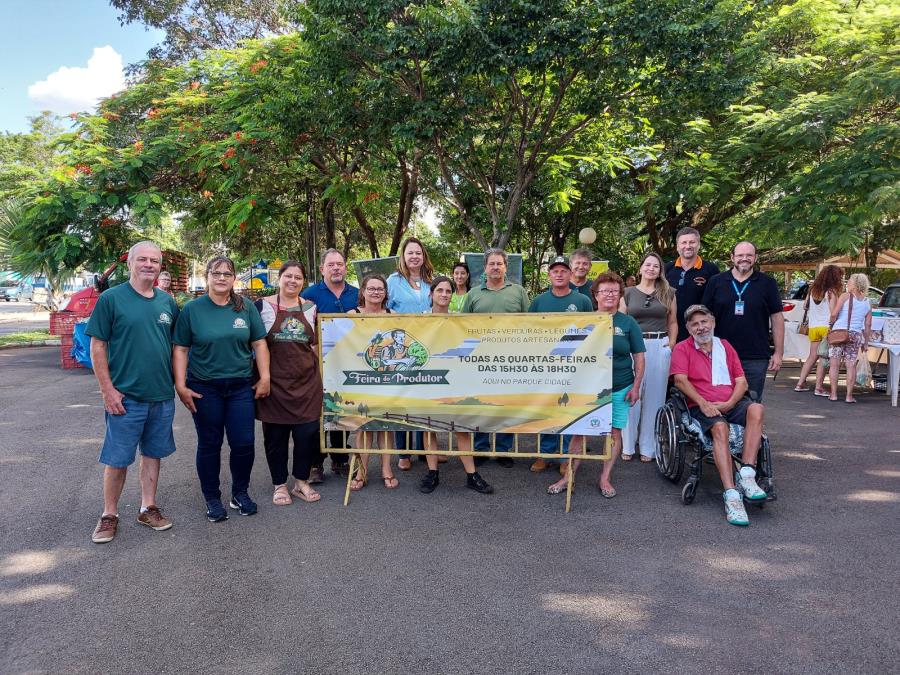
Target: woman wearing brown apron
x=295 y=402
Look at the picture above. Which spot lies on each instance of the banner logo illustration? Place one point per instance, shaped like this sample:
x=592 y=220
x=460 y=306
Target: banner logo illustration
x=396 y=357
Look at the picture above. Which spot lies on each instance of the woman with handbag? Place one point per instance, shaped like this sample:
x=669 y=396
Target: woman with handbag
x=820 y=303
x=851 y=321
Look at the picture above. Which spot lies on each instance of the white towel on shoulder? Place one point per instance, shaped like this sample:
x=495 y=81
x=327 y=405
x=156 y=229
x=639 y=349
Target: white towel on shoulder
x=720 y=374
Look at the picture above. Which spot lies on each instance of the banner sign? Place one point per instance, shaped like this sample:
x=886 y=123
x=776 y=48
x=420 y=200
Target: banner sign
x=513 y=373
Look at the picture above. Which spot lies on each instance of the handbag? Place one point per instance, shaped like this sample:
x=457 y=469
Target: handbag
x=839 y=336
x=803 y=328
x=822 y=349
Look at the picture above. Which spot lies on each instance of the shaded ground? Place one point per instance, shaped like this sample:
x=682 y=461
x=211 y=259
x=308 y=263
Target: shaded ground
x=453 y=582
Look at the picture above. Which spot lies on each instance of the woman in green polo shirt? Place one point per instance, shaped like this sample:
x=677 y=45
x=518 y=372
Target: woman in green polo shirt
x=628 y=372
x=215 y=338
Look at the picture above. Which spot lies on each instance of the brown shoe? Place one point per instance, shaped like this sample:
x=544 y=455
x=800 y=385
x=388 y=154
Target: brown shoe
x=316 y=476
x=154 y=518
x=105 y=530
x=538 y=465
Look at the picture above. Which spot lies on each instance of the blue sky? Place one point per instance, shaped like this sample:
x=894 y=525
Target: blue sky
x=58 y=49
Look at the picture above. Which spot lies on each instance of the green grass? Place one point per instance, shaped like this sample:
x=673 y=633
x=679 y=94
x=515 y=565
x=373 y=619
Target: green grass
x=22 y=338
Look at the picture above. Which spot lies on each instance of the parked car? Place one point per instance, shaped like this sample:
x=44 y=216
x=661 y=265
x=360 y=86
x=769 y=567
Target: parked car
x=890 y=300
x=16 y=291
x=792 y=303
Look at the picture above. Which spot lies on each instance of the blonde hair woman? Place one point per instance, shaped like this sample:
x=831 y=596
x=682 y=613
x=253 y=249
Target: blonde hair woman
x=853 y=313
x=652 y=304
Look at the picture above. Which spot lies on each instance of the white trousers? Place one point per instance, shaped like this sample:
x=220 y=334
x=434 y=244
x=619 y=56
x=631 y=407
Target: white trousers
x=642 y=416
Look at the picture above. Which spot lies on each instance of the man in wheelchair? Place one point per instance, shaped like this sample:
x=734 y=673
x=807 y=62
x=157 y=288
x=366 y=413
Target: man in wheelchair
x=708 y=372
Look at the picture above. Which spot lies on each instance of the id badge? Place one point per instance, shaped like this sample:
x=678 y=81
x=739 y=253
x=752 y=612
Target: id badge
x=739 y=308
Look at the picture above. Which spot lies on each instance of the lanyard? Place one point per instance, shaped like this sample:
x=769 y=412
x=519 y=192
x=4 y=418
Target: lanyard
x=740 y=293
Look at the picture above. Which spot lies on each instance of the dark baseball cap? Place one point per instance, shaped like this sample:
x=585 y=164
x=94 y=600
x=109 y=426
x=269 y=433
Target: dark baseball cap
x=695 y=309
x=559 y=260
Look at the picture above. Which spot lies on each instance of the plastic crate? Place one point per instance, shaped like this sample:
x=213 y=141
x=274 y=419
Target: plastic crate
x=66 y=362
x=63 y=323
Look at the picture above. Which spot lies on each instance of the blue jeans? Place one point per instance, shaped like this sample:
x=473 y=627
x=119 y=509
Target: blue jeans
x=416 y=441
x=504 y=442
x=550 y=444
x=226 y=407
x=755 y=372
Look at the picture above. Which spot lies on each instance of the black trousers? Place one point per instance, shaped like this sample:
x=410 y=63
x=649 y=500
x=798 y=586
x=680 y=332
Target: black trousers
x=335 y=439
x=306 y=447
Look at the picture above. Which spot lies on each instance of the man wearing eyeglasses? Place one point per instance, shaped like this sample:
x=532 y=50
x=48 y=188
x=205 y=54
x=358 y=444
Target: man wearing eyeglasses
x=744 y=302
x=688 y=274
x=332 y=295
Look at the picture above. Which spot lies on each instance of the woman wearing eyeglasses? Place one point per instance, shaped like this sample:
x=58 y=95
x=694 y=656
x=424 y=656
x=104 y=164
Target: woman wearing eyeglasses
x=627 y=375
x=373 y=299
x=216 y=337
x=652 y=304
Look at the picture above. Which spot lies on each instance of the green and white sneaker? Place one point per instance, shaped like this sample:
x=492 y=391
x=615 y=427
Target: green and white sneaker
x=745 y=479
x=735 y=513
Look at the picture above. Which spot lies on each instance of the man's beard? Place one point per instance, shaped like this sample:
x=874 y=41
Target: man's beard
x=703 y=339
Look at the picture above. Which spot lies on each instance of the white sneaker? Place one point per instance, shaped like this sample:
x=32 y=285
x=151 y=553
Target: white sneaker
x=745 y=479
x=735 y=513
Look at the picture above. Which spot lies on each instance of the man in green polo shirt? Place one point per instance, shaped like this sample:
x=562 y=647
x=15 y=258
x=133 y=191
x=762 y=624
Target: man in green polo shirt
x=495 y=296
x=131 y=349
x=561 y=297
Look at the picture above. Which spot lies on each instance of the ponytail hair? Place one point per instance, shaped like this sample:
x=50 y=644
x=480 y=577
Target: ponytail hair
x=237 y=302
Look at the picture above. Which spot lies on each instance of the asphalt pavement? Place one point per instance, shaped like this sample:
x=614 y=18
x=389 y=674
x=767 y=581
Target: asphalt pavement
x=452 y=582
x=19 y=317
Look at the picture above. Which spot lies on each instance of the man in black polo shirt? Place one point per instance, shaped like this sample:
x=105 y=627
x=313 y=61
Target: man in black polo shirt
x=744 y=301
x=688 y=274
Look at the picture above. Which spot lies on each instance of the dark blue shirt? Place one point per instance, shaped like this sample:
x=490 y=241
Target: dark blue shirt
x=327 y=302
x=688 y=286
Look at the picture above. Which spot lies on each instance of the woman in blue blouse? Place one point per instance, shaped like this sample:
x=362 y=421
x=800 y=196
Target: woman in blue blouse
x=409 y=292
x=409 y=287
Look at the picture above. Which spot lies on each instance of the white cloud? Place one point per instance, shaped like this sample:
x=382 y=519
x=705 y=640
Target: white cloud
x=75 y=89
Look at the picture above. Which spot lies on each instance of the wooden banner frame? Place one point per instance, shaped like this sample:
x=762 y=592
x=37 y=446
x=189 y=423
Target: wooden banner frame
x=567 y=457
x=424 y=428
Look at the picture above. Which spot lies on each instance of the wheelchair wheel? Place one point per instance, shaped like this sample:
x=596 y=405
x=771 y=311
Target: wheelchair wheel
x=688 y=492
x=670 y=454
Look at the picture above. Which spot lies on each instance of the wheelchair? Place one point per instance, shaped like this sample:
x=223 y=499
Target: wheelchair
x=679 y=436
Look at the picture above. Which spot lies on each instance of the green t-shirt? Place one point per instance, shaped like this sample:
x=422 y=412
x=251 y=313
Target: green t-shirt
x=627 y=340
x=456 y=303
x=573 y=302
x=219 y=338
x=138 y=333
x=482 y=300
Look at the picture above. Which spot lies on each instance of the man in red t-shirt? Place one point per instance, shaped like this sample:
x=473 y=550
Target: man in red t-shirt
x=708 y=371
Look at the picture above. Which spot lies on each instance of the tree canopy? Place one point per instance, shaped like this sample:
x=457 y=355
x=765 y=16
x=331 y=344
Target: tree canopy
x=519 y=123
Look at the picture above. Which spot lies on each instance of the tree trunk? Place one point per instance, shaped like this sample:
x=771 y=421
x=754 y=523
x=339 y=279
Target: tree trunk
x=328 y=222
x=367 y=231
